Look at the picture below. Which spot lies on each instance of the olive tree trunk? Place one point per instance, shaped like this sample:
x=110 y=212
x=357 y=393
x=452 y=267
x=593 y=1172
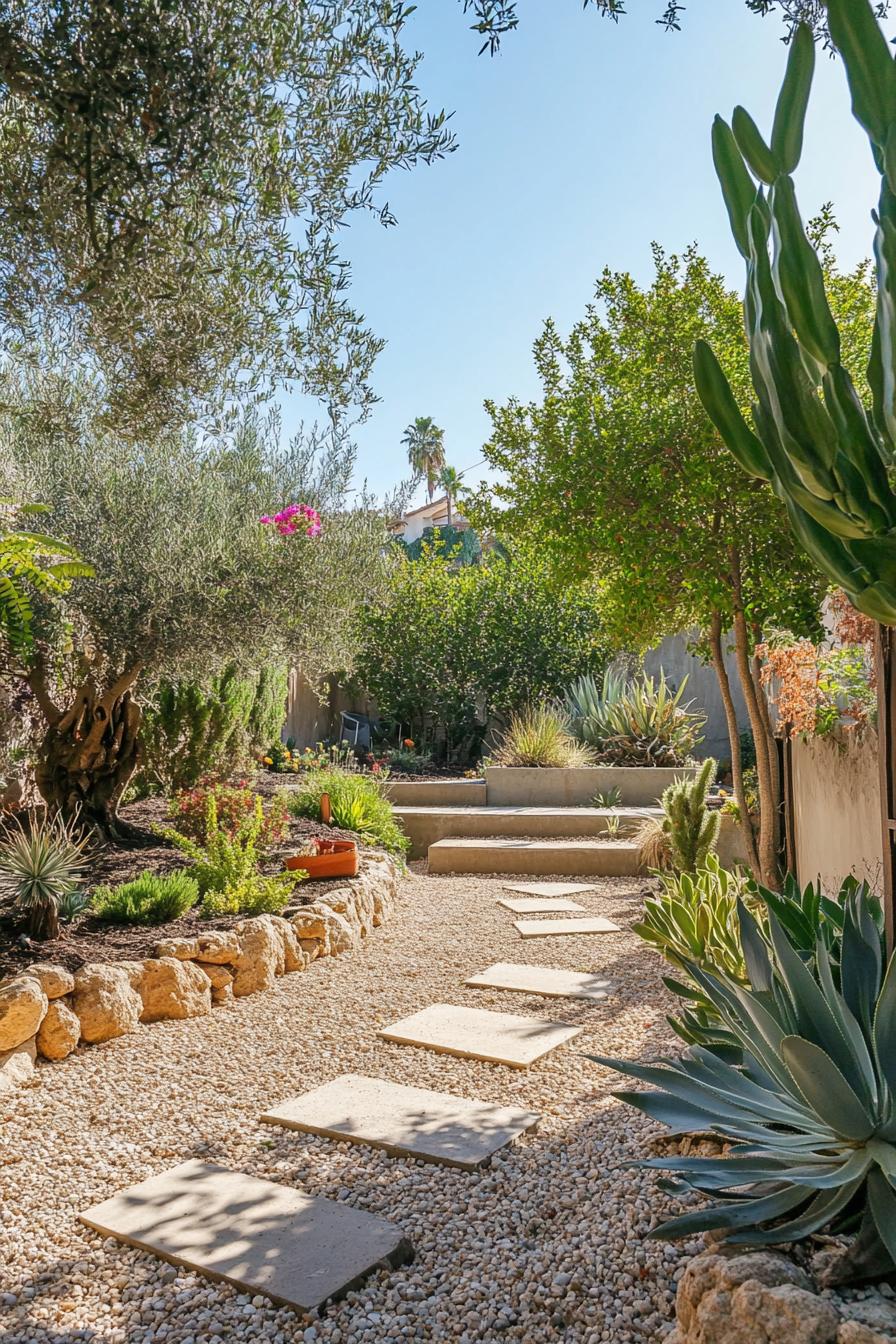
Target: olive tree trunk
x=89 y=752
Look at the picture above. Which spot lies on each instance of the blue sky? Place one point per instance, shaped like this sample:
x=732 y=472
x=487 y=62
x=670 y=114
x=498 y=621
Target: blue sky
x=579 y=144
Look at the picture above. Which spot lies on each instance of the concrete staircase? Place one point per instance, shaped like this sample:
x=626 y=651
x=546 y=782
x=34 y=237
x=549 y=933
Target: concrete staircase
x=536 y=840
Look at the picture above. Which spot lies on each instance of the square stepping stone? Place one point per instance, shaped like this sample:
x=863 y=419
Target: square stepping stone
x=405 y=1121
x=475 y=1033
x=540 y=905
x=297 y=1249
x=549 y=888
x=547 y=980
x=551 y=928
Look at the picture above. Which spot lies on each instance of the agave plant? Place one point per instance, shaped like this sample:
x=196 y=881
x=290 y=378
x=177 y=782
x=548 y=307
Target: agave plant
x=694 y=921
x=587 y=705
x=810 y=1111
x=807 y=914
x=40 y=868
x=640 y=722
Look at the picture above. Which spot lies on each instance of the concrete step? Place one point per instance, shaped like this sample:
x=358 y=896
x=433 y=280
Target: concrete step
x=426 y=825
x=582 y=856
x=436 y=792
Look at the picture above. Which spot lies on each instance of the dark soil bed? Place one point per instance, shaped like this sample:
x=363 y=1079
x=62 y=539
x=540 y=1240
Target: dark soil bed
x=89 y=939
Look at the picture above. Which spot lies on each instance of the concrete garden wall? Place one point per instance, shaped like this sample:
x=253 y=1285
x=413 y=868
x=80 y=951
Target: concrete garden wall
x=836 y=809
x=513 y=786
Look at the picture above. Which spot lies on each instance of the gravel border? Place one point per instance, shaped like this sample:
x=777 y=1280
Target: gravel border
x=546 y=1244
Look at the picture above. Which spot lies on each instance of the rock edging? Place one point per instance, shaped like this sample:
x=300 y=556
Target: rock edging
x=46 y=1011
x=729 y=1296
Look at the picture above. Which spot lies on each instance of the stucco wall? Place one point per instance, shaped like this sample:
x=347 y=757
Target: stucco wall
x=703 y=688
x=836 y=806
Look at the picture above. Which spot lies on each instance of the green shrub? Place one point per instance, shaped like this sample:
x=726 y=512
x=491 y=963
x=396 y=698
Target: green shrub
x=41 y=865
x=808 y=1106
x=148 y=899
x=407 y=760
x=357 y=803
x=447 y=650
x=693 y=921
x=641 y=722
x=189 y=730
x=690 y=825
x=539 y=736
x=225 y=865
x=257 y=895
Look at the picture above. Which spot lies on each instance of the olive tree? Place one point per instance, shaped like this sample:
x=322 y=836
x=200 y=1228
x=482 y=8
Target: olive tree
x=187 y=577
x=173 y=177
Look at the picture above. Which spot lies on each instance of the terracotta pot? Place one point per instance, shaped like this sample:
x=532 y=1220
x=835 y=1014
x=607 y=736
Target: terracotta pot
x=334 y=858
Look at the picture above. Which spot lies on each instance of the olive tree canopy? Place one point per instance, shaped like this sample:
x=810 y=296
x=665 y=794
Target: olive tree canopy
x=173 y=177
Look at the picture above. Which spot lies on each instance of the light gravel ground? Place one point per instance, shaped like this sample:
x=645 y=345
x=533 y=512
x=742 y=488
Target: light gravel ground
x=546 y=1244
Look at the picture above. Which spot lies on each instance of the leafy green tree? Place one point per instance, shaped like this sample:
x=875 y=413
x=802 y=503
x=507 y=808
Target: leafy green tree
x=424 y=441
x=619 y=473
x=164 y=160
x=448 y=651
x=188 y=577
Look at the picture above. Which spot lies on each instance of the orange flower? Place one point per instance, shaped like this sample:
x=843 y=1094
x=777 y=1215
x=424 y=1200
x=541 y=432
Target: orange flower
x=409 y=743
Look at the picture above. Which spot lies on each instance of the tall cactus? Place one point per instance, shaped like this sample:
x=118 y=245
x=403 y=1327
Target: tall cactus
x=691 y=827
x=827 y=456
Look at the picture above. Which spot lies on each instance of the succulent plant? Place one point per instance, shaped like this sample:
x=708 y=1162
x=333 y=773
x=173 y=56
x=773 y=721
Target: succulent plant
x=692 y=827
x=810 y=1109
x=637 y=722
x=41 y=865
x=826 y=454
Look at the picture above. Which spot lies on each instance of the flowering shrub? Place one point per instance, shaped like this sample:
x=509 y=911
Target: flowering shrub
x=188 y=809
x=294 y=516
x=817 y=691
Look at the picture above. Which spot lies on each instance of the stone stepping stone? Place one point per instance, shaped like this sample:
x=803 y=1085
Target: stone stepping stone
x=550 y=888
x=551 y=928
x=547 y=980
x=297 y=1249
x=405 y=1121
x=475 y=1033
x=540 y=905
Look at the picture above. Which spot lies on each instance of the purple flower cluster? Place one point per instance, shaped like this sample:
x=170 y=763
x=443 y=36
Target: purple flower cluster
x=294 y=516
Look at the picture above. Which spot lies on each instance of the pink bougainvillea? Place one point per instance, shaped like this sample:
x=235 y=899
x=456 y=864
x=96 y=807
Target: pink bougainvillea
x=294 y=516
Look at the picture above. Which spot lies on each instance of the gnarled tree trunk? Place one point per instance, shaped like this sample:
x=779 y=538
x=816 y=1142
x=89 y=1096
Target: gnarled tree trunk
x=89 y=752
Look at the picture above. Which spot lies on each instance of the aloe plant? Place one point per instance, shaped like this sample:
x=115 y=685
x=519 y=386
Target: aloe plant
x=826 y=454
x=810 y=1110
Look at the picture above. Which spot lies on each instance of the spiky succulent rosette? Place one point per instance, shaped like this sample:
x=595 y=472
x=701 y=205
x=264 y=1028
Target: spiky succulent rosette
x=810 y=1111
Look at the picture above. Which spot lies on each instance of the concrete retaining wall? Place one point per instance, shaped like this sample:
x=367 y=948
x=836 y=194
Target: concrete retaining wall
x=836 y=810
x=512 y=786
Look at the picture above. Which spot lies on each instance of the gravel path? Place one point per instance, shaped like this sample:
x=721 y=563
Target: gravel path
x=546 y=1244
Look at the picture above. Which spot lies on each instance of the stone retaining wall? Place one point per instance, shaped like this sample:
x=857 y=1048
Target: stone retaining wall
x=47 y=1011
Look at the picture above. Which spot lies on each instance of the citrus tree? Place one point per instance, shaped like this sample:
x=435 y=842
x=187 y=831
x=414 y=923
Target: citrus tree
x=619 y=473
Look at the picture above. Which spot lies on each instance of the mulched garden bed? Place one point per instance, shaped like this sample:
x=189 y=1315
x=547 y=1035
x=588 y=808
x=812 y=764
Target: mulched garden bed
x=88 y=939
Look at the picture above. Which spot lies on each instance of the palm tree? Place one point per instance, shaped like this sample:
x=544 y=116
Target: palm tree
x=449 y=480
x=426 y=450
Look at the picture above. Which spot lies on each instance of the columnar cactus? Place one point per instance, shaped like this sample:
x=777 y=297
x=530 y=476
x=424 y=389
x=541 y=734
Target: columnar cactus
x=692 y=829
x=827 y=456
